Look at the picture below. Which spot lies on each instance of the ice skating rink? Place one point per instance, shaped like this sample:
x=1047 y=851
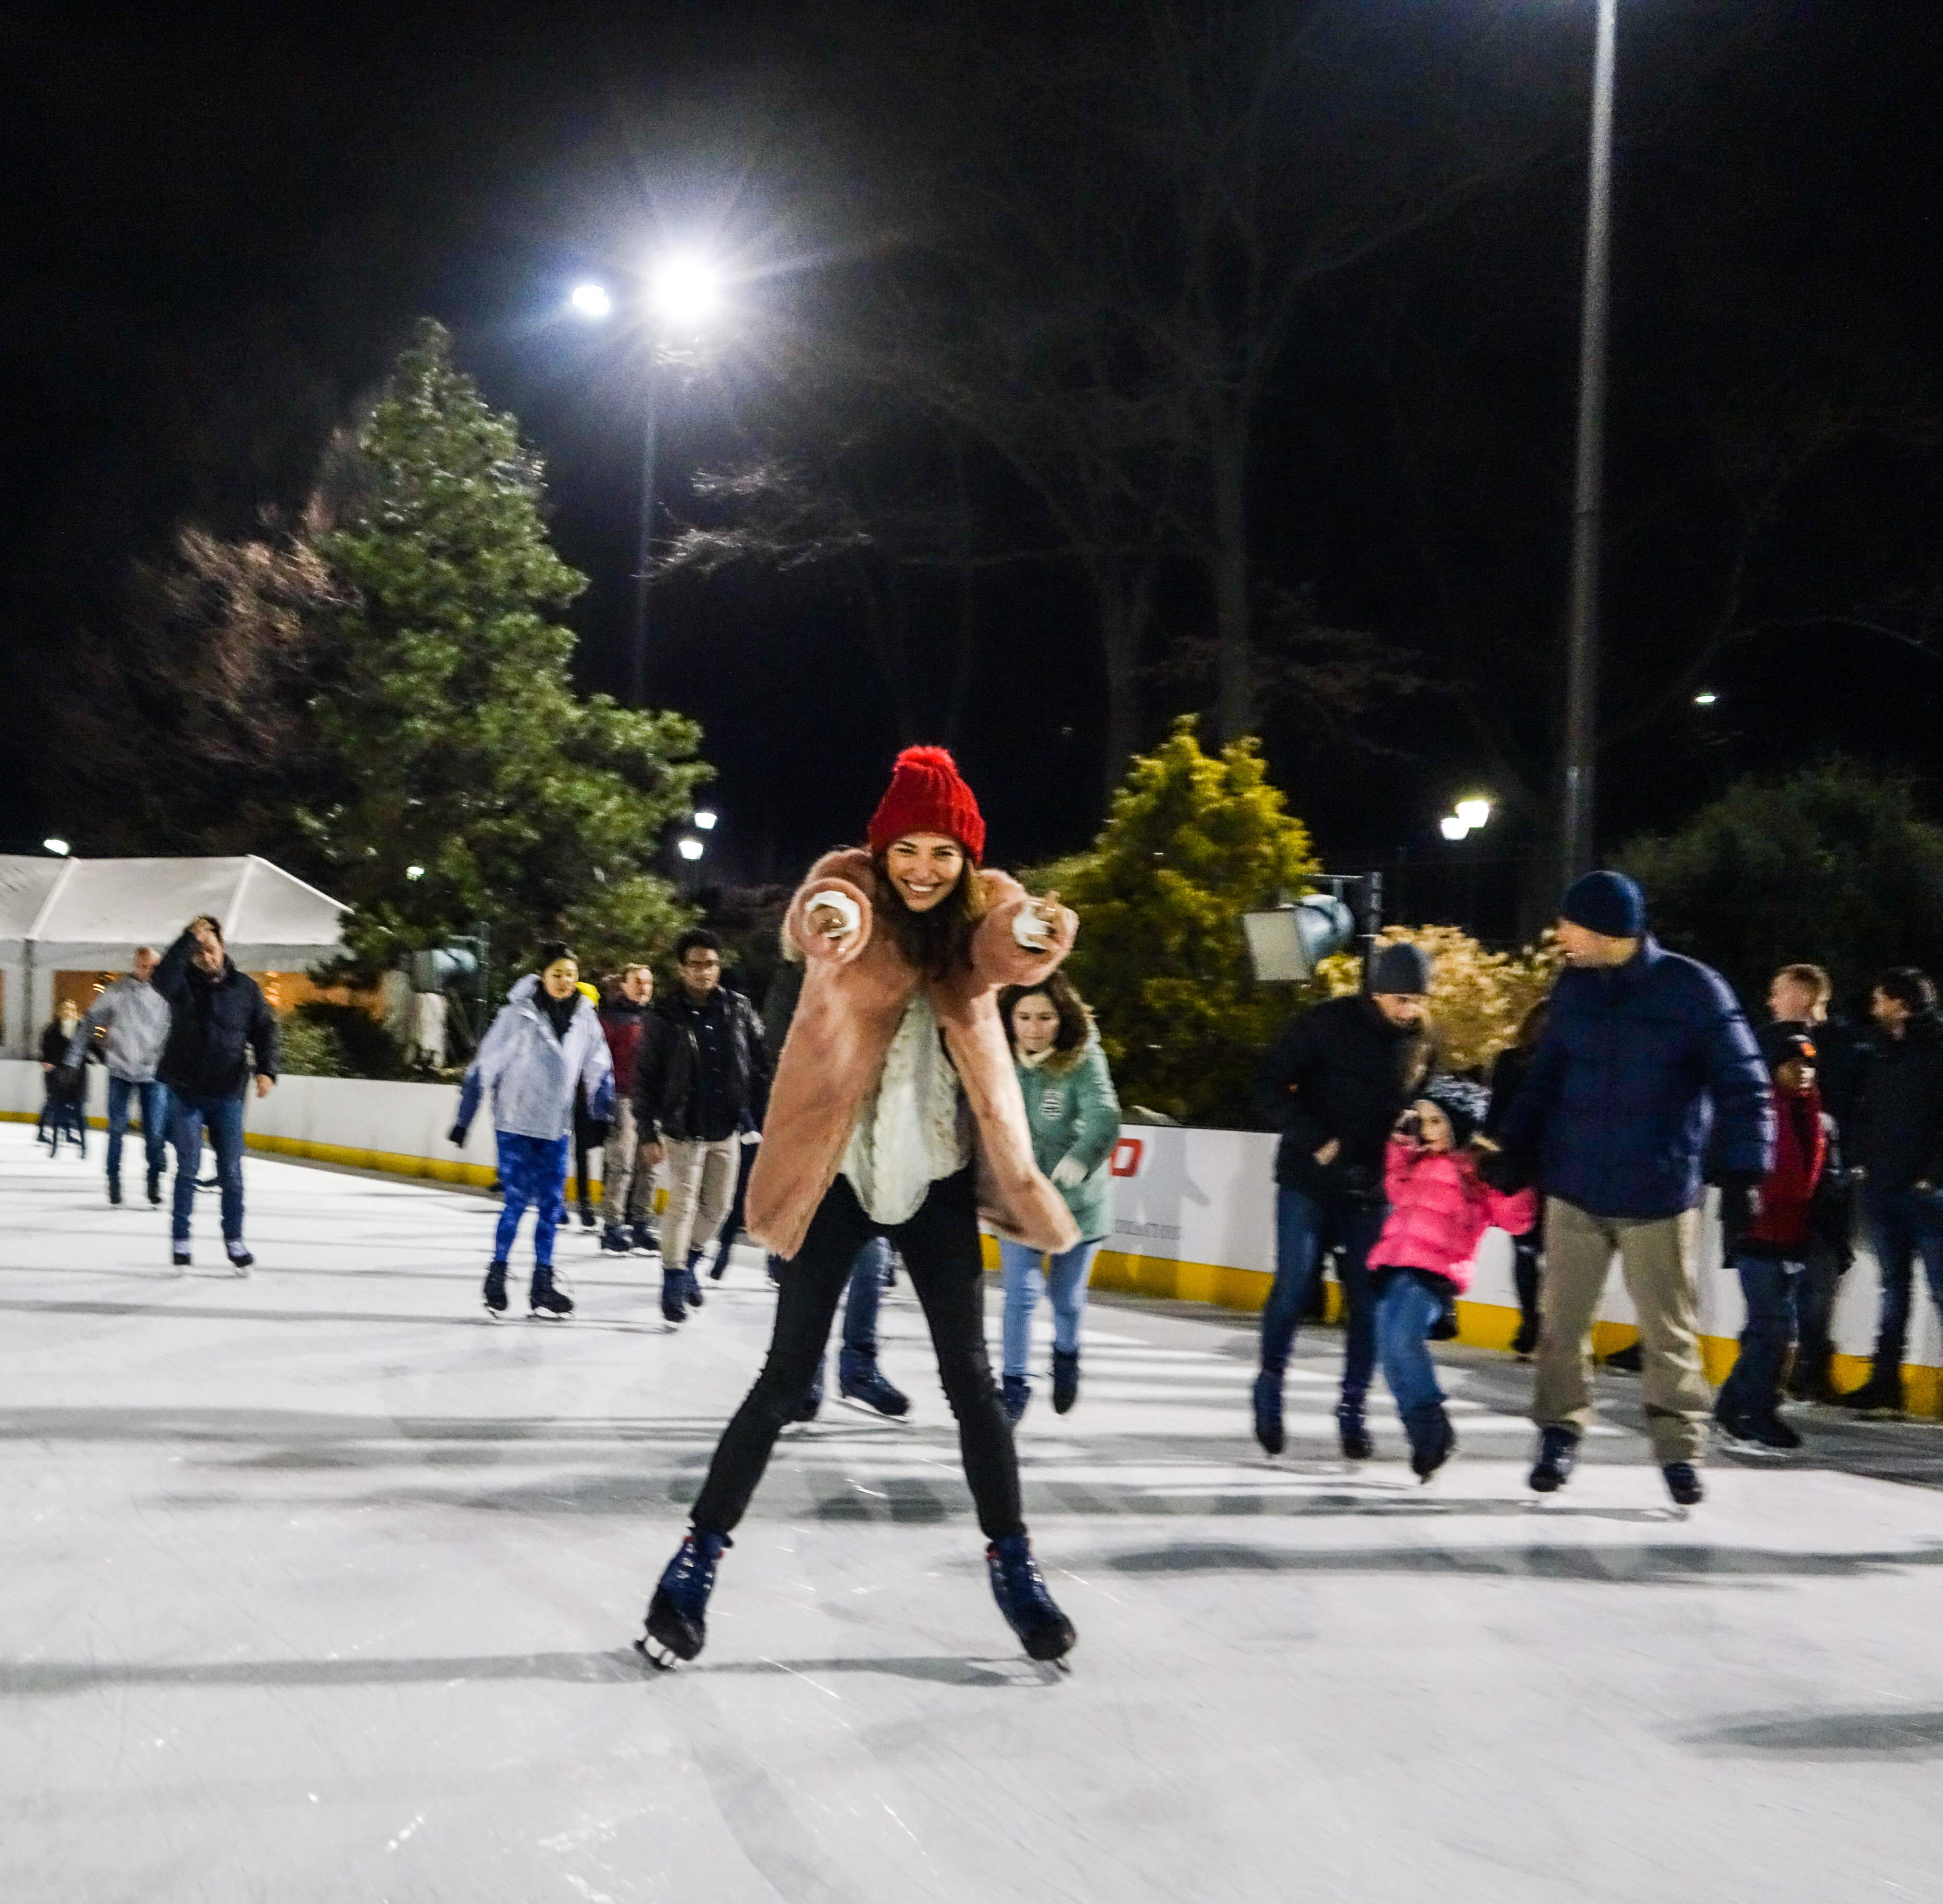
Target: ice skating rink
x=319 y=1586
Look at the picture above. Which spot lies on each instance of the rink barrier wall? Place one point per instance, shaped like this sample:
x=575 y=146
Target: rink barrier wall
x=1193 y=1214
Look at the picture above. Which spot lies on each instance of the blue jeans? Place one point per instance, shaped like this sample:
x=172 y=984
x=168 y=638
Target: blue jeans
x=1903 y=1225
x=1410 y=1304
x=223 y=1117
x=154 y=1098
x=1305 y=1225
x=1066 y=1276
x=1772 y=1287
x=532 y=1170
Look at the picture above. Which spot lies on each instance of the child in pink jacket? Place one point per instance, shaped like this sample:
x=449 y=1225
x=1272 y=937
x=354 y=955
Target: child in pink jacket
x=1439 y=1210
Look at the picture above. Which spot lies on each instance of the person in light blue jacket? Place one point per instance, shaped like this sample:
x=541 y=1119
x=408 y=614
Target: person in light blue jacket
x=1074 y=1116
x=546 y=1040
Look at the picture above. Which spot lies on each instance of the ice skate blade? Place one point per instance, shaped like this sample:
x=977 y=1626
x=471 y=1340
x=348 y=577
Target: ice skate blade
x=662 y=1658
x=876 y=1414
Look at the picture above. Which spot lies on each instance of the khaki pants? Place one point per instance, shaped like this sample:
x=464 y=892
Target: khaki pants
x=701 y=1187
x=627 y=1184
x=1657 y=1257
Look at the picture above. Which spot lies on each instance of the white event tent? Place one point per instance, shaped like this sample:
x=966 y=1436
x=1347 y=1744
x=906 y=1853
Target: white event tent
x=65 y=915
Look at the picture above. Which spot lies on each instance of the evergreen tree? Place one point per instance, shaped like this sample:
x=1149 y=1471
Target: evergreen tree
x=470 y=781
x=1836 y=863
x=1192 y=841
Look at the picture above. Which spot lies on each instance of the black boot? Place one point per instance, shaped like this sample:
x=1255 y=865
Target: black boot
x=691 y=1288
x=1267 y=1400
x=1683 y=1483
x=1879 y=1398
x=1558 y=1456
x=544 y=1300
x=1065 y=1379
x=1433 y=1440
x=1014 y=1395
x=495 y=1291
x=859 y=1379
x=1352 y=1432
x=155 y=1188
x=811 y=1406
x=1526 y=1341
x=1628 y=1360
x=115 y=1190
x=674 y=1304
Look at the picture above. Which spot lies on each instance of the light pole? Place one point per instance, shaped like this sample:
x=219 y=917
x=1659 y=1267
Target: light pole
x=684 y=291
x=1470 y=815
x=1582 y=635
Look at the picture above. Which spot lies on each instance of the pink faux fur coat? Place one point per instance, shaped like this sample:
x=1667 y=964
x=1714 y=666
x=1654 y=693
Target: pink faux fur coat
x=853 y=997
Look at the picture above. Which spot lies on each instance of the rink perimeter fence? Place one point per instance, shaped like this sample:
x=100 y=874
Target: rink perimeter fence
x=1193 y=1215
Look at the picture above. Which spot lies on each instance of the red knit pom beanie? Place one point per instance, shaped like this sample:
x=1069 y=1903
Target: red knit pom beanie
x=928 y=795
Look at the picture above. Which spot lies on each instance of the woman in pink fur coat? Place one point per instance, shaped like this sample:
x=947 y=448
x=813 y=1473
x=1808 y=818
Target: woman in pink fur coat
x=895 y=1112
x=1439 y=1210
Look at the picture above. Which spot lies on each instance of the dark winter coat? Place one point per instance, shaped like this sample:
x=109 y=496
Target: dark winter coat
x=1897 y=1137
x=64 y=1083
x=221 y=1029
x=672 y=1096
x=1840 y=1058
x=1636 y=1064
x=1340 y=1072
x=1509 y=1069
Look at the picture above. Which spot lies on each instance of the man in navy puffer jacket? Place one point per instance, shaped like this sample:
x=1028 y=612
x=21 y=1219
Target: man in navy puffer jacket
x=1645 y=1053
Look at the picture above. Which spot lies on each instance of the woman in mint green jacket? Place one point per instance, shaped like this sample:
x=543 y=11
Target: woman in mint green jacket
x=1075 y=1122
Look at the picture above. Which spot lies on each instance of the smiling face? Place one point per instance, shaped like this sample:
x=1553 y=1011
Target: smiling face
x=925 y=868
x=1035 y=1023
x=561 y=977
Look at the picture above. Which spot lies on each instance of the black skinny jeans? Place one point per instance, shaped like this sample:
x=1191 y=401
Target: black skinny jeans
x=940 y=1247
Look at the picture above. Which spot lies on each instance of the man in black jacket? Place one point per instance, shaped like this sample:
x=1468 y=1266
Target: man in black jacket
x=1897 y=1147
x=701 y=1080
x=220 y=1030
x=1333 y=1084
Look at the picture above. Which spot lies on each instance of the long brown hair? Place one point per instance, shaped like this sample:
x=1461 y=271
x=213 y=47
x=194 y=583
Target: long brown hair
x=937 y=942
x=1060 y=992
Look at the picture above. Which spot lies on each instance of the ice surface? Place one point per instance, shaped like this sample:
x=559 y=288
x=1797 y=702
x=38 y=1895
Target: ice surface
x=317 y=1586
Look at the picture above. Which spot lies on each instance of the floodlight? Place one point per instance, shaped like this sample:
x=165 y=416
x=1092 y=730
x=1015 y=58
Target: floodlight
x=686 y=290
x=59 y=847
x=1474 y=811
x=1453 y=826
x=690 y=848
x=705 y=820
x=591 y=300
x=1285 y=946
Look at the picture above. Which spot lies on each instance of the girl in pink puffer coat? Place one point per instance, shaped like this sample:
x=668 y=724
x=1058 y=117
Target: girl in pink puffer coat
x=1439 y=1210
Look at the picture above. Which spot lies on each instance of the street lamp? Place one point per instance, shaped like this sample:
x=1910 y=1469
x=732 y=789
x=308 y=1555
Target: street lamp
x=684 y=292
x=57 y=846
x=1470 y=815
x=705 y=820
x=690 y=848
x=1581 y=638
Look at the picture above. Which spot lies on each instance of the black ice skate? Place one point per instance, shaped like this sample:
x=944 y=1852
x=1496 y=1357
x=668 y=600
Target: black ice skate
x=677 y=1623
x=1019 y=1590
x=1268 y=1411
x=495 y=1291
x=1683 y=1483
x=1065 y=1380
x=1353 y=1433
x=240 y=1260
x=691 y=1289
x=544 y=1301
x=1432 y=1442
x=674 y=1297
x=860 y=1380
x=1015 y=1397
x=1558 y=1456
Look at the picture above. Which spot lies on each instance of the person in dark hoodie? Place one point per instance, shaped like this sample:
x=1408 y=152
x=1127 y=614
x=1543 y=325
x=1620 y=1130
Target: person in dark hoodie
x=1770 y=1252
x=222 y=1032
x=1333 y=1084
x=1897 y=1150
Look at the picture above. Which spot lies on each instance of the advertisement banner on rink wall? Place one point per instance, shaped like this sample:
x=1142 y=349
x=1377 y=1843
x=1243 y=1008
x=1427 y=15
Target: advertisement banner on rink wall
x=1193 y=1212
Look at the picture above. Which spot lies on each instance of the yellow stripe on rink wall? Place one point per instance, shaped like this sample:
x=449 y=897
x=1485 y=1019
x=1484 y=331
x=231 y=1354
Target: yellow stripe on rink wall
x=1480 y=1325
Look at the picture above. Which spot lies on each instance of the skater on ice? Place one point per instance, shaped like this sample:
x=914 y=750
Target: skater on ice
x=1439 y=1210
x=896 y=1113
x=546 y=1040
x=134 y=1018
x=1075 y=1117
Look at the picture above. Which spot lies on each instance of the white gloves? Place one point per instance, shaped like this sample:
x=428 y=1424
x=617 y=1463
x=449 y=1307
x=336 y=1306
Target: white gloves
x=1069 y=1173
x=845 y=908
x=1032 y=931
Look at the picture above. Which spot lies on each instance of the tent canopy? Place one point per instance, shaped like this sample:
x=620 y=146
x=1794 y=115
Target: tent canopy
x=89 y=914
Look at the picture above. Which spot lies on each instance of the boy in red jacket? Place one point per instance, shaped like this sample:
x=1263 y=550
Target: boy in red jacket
x=1439 y=1210
x=1767 y=1241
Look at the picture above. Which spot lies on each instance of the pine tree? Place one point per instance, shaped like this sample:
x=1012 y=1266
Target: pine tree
x=458 y=745
x=1192 y=841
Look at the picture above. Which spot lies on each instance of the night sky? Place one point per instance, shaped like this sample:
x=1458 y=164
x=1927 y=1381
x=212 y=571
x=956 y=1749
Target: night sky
x=223 y=225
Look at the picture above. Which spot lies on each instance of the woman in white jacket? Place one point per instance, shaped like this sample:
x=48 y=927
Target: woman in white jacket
x=546 y=1039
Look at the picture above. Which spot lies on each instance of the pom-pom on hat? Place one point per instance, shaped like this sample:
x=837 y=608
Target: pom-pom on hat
x=928 y=794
